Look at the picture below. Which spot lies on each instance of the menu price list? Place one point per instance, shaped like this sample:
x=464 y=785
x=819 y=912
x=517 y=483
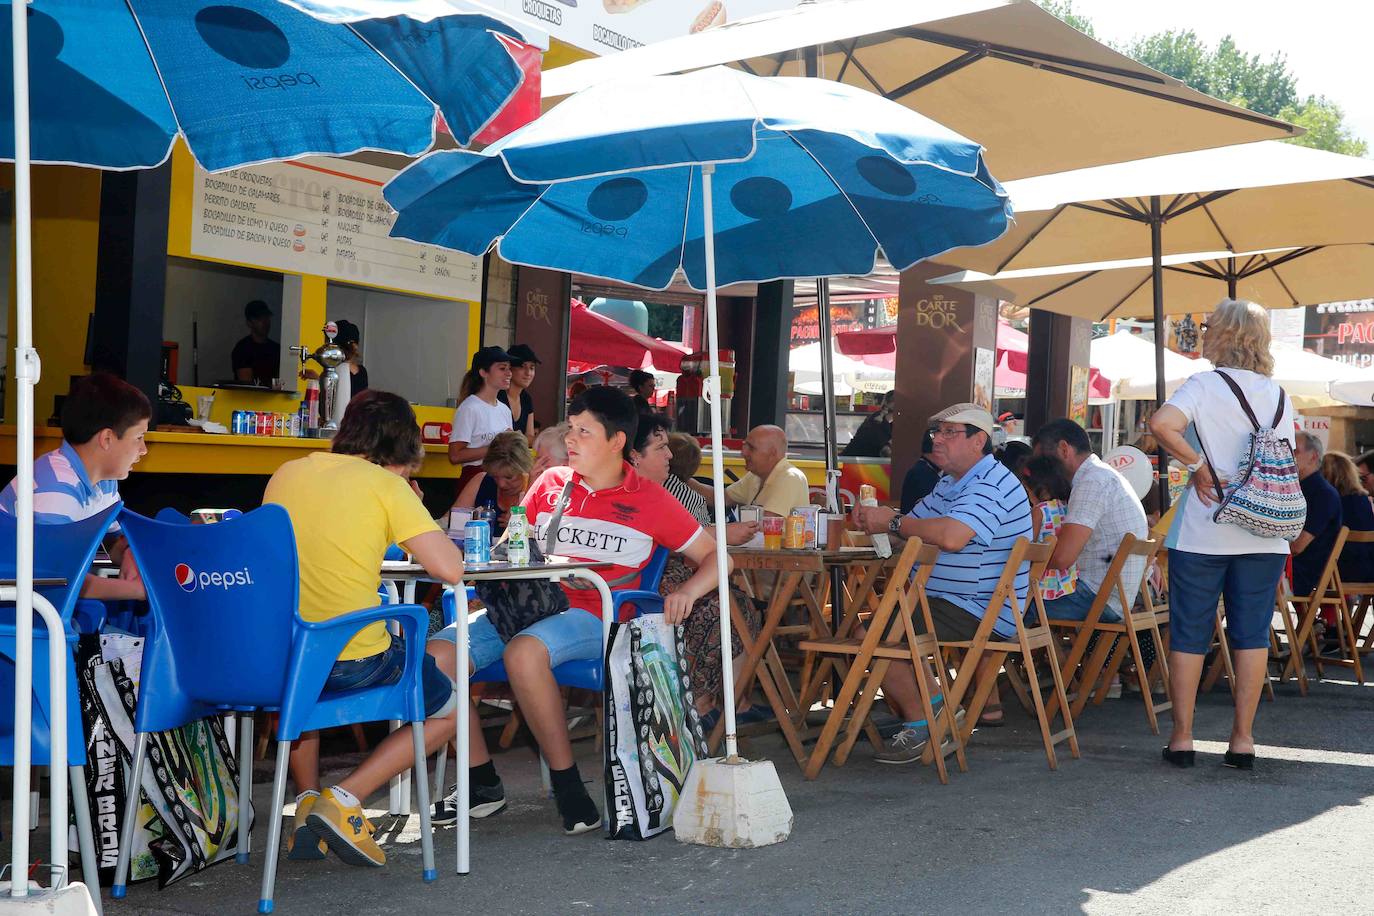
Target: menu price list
x=325 y=217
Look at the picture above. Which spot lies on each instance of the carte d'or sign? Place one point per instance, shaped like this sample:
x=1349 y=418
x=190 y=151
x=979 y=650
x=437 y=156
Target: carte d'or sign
x=325 y=217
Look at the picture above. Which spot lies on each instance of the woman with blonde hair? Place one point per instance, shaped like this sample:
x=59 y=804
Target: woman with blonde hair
x=1210 y=560
x=503 y=480
x=1356 y=563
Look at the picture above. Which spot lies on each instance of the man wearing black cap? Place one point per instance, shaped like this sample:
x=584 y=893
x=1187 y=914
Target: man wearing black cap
x=257 y=358
x=480 y=415
x=517 y=397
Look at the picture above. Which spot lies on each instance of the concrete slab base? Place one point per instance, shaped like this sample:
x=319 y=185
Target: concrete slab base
x=737 y=804
x=72 y=900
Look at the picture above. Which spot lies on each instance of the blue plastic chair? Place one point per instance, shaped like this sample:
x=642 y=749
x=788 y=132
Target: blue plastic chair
x=227 y=636
x=60 y=552
x=584 y=673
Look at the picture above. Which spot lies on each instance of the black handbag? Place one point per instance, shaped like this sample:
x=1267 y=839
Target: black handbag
x=515 y=604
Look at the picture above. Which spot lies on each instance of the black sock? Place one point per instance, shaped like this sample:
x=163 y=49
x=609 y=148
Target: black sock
x=484 y=774
x=567 y=781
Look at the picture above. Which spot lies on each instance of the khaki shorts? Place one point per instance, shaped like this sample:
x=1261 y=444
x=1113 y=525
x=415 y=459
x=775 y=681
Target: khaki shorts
x=952 y=623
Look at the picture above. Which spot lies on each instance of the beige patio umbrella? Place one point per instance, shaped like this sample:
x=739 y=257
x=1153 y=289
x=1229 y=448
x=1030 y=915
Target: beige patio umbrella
x=1249 y=197
x=1038 y=94
x=1277 y=278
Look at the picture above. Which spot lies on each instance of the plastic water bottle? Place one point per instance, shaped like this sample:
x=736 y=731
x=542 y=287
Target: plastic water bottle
x=518 y=537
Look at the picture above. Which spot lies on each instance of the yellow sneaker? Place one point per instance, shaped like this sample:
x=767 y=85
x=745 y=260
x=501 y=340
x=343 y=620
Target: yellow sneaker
x=346 y=831
x=302 y=845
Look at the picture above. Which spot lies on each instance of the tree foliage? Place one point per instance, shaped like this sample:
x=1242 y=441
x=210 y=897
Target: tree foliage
x=1265 y=85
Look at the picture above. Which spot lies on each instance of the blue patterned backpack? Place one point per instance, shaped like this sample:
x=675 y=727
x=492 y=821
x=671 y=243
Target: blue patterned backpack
x=1265 y=498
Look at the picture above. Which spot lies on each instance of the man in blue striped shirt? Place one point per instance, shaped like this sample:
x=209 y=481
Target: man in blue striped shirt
x=104 y=420
x=974 y=515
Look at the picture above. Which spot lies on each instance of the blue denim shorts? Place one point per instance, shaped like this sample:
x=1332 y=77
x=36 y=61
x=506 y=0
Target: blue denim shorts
x=1197 y=581
x=386 y=668
x=571 y=635
x=1075 y=606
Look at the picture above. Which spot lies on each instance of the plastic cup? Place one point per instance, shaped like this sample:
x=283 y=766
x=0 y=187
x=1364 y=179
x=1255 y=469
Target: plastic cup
x=772 y=532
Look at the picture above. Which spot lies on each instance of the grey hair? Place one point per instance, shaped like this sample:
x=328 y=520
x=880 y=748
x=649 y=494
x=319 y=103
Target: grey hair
x=551 y=439
x=1238 y=337
x=1309 y=442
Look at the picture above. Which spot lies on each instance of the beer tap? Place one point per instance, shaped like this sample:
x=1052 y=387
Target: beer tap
x=329 y=356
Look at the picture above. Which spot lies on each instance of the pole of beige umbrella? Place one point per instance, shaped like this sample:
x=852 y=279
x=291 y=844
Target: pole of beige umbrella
x=1231 y=278
x=1157 y=271
x=730 y=802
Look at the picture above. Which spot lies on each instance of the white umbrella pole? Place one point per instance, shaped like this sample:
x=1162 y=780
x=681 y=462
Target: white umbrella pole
x=727 y=673
x=729 y=803
x=26 y=372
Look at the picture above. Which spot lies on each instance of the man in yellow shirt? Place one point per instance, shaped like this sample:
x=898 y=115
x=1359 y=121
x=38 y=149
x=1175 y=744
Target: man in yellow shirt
x=347 y=506
x=771 y=480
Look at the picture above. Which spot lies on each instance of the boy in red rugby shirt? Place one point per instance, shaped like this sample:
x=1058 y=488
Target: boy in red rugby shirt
x=612 y=517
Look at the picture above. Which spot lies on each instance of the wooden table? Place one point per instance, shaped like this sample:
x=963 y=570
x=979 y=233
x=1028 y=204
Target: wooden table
x=804 y=575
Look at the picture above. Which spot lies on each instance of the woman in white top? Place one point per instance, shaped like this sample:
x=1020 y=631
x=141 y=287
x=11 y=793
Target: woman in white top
x=1210 y=560
x=480 y=416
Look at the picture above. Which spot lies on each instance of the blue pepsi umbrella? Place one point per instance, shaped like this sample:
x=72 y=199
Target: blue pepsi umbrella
x=811 y=178
x=112 y=82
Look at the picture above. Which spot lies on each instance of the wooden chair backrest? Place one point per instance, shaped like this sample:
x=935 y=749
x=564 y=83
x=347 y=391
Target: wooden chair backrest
x=1005 y=590
x=1329 y=580
x=1039 y=557
x=911 y=589
x=900 y=586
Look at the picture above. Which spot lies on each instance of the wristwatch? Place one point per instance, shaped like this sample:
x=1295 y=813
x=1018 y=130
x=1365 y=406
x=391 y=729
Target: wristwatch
x=1192 y=468
x=894 y=525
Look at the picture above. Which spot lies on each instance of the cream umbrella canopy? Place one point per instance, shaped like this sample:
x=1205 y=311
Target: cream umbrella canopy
x=1038 y=94
x=1278 y=278
x=1250 y=197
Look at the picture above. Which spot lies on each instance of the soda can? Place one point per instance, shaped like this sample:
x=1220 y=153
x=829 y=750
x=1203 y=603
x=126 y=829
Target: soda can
x=235 y=422
x=278 y=424
x=264 y=423
x=296 y=425
x=250 y=422
x=477 y=543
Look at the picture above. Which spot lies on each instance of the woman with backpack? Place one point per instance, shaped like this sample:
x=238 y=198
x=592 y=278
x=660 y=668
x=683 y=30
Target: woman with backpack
x=1229 y=537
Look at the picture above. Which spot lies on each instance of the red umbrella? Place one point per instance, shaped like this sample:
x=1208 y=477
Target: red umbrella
x=597 y=340
x=880 y=341
x=1007 y=377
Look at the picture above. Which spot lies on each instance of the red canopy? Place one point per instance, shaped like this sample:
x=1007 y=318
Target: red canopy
x=1007 y=377
x=876 y=341
x=596 y=340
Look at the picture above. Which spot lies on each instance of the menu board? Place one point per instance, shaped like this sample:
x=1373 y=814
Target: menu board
x=325 y=217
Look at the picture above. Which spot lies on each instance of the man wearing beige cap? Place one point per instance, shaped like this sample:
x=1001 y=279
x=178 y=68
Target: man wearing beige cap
x=974 y=515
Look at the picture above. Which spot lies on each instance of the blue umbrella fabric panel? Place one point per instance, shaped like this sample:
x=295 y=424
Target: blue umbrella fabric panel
x=88 y=67
x=248 y=81
x=813 y=204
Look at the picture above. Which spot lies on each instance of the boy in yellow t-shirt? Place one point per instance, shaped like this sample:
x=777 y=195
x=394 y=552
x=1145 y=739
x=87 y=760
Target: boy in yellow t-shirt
x=347 y=506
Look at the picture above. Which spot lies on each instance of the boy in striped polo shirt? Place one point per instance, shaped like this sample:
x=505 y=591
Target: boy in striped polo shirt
x=104 y=419
x=974 y=515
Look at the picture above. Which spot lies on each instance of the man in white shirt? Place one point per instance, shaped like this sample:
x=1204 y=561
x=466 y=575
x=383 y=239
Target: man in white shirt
x=1102 y=510
x=771 y=481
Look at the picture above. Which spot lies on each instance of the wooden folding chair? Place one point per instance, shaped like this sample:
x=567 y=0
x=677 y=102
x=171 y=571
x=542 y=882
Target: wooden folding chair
x=1299 y=613
x=890 y=638
x=1351 y=615
x=1117 y=640
x=1029 y=638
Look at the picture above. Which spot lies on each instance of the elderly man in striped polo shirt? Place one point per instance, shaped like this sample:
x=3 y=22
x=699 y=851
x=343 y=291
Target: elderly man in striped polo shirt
x=974 y=515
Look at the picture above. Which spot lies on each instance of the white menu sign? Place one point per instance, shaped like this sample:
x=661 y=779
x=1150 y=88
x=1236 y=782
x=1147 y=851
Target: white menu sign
x=324 y=217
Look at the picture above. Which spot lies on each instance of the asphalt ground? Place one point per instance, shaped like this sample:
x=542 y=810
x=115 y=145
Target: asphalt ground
x=1115 y=832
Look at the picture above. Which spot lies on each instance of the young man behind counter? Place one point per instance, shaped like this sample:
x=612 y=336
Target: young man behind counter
x=257 y=357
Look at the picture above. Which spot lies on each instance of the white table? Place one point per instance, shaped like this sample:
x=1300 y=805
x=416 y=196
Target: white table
x=554 y=569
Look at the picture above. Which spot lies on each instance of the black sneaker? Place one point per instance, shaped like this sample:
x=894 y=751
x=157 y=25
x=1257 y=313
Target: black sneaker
x=579 y=812
x=483 y=801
